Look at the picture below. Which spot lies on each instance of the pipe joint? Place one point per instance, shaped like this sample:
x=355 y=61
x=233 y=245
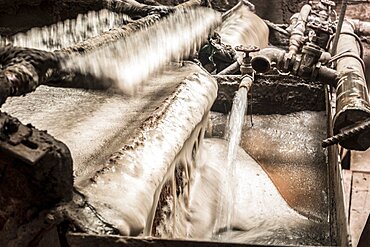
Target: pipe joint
x=246 y=82
x=267 y=57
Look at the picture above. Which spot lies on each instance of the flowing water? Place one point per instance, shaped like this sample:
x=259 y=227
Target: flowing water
x=233 y=135
x=69 y=32
x=217 y=204
x=129 y=62
x=240 y=26
x=260 y=213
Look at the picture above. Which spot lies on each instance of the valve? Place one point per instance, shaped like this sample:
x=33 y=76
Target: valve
x=246 y=66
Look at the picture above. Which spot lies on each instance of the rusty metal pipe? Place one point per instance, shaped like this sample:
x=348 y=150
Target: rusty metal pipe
x=263 y=60
x=361 y=27
x=232 y=69
x=246 y=82
x=327 y=75
x=339 y=27
x=298 y=28
x=352 y=104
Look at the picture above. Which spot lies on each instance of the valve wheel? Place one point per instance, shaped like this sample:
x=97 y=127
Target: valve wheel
x=247 y=49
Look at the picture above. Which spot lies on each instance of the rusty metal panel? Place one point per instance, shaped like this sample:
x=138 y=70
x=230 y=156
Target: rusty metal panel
x=82 y=240
x=272 y=94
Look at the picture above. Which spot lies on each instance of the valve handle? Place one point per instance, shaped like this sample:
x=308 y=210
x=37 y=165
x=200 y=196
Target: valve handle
x=247 y=49
x=328 y=3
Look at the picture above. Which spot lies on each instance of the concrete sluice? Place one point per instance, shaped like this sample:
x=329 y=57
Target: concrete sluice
x=135 y=129
x=102 y=119
x=151 y=164
x=163 y=177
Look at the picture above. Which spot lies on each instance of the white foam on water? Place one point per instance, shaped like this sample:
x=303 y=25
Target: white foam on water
x=233 y=132
x=69 y=32
x=130 y=61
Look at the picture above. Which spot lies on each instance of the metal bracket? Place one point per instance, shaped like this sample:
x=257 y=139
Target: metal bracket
x=19 y=140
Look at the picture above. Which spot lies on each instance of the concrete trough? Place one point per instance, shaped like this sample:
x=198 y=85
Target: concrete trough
x=136 y=162
x=107 y=200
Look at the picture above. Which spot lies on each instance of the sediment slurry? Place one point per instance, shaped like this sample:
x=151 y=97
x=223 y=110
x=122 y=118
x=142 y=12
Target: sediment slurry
x=261 y=215
x=141 y=164
x=154 y=125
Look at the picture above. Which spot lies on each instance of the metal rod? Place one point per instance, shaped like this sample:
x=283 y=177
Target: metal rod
x=232 y=69
x=348 y=134
x=339 y=27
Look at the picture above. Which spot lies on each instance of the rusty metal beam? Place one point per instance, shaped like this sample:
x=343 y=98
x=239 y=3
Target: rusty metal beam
x=82 y=240
x=272 y=94
x=35 y=174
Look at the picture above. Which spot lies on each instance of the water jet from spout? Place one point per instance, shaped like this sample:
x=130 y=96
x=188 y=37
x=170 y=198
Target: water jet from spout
x=233 y=132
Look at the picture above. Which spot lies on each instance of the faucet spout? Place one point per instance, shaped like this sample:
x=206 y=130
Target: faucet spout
x=246 y=82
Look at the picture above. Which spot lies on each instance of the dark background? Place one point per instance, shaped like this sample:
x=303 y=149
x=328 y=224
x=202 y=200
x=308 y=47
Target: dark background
x=20 y=15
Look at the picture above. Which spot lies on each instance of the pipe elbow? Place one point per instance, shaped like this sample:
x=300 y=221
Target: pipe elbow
x=305 y=12
x=263 y=60
x=261 y=63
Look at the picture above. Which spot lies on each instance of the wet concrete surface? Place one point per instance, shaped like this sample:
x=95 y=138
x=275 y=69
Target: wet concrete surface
x=260 y=215
x=288 y=148
x=93 y=124
x=122 y=146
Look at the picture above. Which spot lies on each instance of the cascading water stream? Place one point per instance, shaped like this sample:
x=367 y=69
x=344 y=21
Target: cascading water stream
x=233 y=135
x=130 y=61
x=127 y=62
x=69 y=32
x=142 y=54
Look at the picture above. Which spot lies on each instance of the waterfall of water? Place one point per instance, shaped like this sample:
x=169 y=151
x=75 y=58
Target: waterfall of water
x=69 y=32
x=130 y=61
x=233 y=135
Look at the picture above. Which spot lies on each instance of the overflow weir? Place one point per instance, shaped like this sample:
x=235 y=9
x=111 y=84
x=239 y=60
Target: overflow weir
x=150 y=156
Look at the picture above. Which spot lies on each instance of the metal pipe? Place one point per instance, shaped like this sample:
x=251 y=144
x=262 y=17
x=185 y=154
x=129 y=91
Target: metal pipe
x=327 y=75
x=361 y=27
x=263 y=60
x=246 y=82
x=232 y=69
x=339 y=27
x=298 y=29
x=352 y=103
